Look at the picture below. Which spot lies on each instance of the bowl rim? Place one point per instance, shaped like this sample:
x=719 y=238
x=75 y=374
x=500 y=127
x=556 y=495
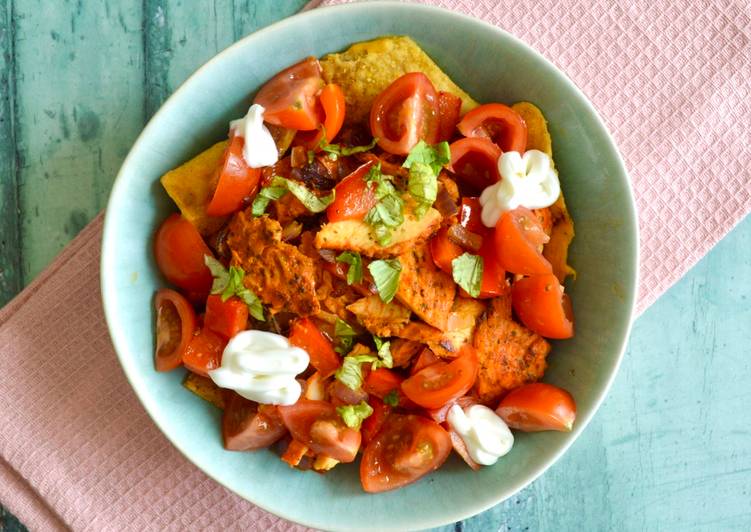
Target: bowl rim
x=107 y=278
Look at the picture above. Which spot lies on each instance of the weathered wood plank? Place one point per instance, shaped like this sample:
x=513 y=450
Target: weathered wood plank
x=11 y=279
x=79 y=101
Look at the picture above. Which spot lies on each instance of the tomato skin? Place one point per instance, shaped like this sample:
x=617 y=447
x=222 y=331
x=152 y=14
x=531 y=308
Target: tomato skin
x=354 y=197
x=382 y=381
x=225 y=317
x=470 y=216
x=317 y=425
x=425 y=359
x=289 y=98
x=518 y=235
x=405 y=113
x=541 y=305
x=304 y=334
x=443 y=250
x=373 y=423
x=475 y=162
x=449 y=109
x=441 y=382
x=538 y=406
x=497 y=122
x=175 y=325
x=333 y=107
x=407 y=448
x=493 y=275
x=179 y=251
x=238 y=182
x=204 y=352
x=247 y=426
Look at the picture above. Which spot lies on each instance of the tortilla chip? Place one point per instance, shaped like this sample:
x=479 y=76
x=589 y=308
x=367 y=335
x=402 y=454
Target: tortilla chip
x=367 y=68
x=191 y=185
x=538 y=137
x=204 y=388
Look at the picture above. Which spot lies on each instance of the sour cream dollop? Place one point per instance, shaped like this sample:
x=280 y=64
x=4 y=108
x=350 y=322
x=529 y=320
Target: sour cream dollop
x=261 y=366
x=527 y=180
x=260 y=148
x=484 y=433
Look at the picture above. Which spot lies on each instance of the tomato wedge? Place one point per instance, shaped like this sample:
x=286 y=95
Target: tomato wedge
x=333 y=105
x=226 y=317
x=353 y=197
x=470 y=216
x=541 y=305
x=289 y=98
x=538 y=406
x=475 y=162
x=247 y=426
x=237 y=183
x=518 y=237
x=317 y=425
x=407 y=448
x=179 y=251
x=405 y=113
x=204 y=352
x=303 y=333
x=449 y=109
x=443 y=250
x=497 y=122
x=493 y=275
x=175 y=324
x=439 y=383
x=374 y=422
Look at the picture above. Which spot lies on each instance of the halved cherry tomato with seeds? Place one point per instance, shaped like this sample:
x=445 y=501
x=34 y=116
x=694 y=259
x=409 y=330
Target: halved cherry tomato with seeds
x=475 y=162
x=204 y=352
x=289 y=98
x=225 y=317
x=354 y=197
x=332 y=105
x=247 y=426
x=518 y=237
x=538 y=406
x=497 y=122
x=405 y=113
x=407 y=448
x=175 y=324
x=374 y=422
x=449 y=109
x=439 y=383
x=541 y=305
x=237 y=183
x=304 y=334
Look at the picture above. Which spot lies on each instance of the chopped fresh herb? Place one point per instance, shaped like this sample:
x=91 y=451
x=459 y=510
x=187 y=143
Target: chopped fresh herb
x=388 y=213
x=392 y=398
x=353 y=258
x=266 y=195
x=345 y=335
x=434 y=156
x=350 y=372
x=384 y=352
x=312 y=202
x=229 y=283
x=467 y=272
x=337 y=150
x=423 y=185
x=386 y=274
x=354 y=415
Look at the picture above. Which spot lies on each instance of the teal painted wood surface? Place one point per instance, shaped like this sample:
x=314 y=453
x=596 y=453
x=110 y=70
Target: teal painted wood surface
x=669 y=450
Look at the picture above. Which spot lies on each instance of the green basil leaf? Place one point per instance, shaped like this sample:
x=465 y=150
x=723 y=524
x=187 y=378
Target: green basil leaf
x=434 y=156
x=219 y=272
x=467 y=272
x=350 y=372
x=228 y=283
x=354 y=415
x=339 y=150
x=392 y=398
x=384 y=352
x=266 y=195
x=345 y=335
x=386 y=274
x=423 y=186
x=312 y=202
x=354 y=272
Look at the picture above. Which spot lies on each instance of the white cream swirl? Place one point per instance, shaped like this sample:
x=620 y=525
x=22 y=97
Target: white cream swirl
x=485 y=434
x=259 y=149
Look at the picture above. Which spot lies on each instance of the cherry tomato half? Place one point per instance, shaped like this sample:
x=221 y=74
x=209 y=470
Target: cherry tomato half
x=538 y=406
x=444 y=250
x=304 y=334
x=317 y=425
x=518 y=237
x=247 y=426
x=542 y=306
x=497 y=122
x=175 y=324
x=289 y=98
x=439 y=383
x=374 y=422
x=405 y=113
x=204 y=352
x=449 y=109
x=407 y=448
x=333 y=106
x=475 y=162
x=470 y=216
x=226 y=317
x=179 y=251
x=237 y=182
x=354 y=197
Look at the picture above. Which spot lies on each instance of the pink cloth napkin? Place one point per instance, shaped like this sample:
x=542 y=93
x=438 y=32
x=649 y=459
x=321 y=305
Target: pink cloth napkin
x=671 y=79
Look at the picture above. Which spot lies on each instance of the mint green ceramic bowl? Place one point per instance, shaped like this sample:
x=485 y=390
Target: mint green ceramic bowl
x=492 y=66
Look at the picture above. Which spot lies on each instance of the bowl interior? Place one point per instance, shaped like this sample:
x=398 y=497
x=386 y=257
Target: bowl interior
x=492 y=66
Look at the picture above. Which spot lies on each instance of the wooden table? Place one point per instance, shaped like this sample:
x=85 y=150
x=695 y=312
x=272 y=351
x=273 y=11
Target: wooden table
x=671 y=446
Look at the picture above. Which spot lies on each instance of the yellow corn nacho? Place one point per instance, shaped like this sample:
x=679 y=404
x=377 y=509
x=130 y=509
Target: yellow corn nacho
x=204 y=388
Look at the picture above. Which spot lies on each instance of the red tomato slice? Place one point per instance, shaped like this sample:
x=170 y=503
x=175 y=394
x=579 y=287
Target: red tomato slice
x=304 y=334
x=333 y=106
x=497 y=122
x=226 y=317
x=317 y=425
x=518 y=237
x=541 y=305
x=470 y=216
x=175 y=324
x=289 y=98
x=407 y=448
x=439 y=383
x=493 y=275
x=475 y=162
x=354 y=197
x=538 y=406
x=204 y=352
x=449 y=109
x=179 y=251
x=247 y=426
x=237 y=184
x=444 y=250
x=374 y=422
x=405 y=113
